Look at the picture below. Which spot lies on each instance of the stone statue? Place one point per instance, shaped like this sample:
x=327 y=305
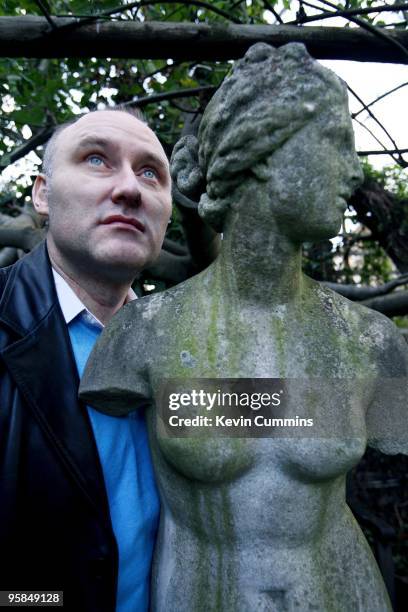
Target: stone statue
x=262 y=524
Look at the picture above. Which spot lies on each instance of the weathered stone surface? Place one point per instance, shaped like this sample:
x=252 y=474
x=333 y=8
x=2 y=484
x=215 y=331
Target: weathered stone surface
x=262 y=524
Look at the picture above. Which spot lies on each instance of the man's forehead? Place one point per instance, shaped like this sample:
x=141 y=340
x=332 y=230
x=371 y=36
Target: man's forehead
x=115 y=126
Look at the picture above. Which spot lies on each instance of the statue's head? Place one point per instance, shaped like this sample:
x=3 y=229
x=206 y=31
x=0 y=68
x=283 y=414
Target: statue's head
x=270 y=96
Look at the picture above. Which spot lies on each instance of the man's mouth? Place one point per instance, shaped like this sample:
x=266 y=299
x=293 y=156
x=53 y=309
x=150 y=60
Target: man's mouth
x=125 y=222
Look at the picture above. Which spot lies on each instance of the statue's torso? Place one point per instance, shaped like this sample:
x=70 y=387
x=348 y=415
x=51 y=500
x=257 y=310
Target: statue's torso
x=262 y=524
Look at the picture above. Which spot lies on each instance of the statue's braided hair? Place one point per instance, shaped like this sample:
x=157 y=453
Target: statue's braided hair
x=269 y=95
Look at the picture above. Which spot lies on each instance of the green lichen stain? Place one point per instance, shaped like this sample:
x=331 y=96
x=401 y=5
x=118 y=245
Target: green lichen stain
x=207 y=459
x=230 y=583
x=211 y=510
x=202 y=584
x=279 y=330
x=217 y=591
x=212 y=336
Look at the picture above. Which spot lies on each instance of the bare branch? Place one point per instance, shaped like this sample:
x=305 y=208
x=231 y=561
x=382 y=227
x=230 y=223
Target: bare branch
x=183 y=109
x=46 y=13
x=272 y=9
x=398 y=160
x=384 y=95
x=386 y=151
x=390 y=8
x=170 y=95
x=377 y=121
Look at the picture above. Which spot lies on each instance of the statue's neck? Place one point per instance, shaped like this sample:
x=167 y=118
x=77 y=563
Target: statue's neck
x=259 y=264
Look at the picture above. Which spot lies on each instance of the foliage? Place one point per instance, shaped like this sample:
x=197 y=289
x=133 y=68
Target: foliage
x=393 y=178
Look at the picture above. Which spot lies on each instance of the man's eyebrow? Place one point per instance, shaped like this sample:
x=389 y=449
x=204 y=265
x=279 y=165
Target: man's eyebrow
x=151 y=158
x=91 y=141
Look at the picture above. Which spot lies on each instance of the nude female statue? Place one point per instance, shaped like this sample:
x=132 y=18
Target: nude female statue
x=262 y=524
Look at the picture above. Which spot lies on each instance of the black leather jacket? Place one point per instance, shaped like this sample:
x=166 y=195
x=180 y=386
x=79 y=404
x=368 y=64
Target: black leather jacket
x=55 y=529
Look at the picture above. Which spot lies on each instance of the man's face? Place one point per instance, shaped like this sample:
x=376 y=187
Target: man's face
x=109 y=198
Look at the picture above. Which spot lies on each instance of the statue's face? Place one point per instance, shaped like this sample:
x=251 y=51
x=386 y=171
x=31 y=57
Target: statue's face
x=312 y=176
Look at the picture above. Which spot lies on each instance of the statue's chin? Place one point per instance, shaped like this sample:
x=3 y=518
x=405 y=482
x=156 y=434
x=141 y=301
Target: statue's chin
x=323 y=229
x=322 y=233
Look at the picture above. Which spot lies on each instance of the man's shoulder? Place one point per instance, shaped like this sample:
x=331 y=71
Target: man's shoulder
x=27 y=291
x=36 y=261
x=4 y=275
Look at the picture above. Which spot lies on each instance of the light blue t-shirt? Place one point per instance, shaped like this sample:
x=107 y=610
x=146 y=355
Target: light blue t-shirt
x=132 y=494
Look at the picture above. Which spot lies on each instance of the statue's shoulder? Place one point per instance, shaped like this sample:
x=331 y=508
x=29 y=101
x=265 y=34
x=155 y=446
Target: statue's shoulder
x=150 y=308
x=373 y=329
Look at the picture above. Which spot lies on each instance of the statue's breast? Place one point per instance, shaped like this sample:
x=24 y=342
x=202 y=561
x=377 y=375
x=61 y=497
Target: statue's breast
x=212 y=460
x=300 y=455
x=222 y=460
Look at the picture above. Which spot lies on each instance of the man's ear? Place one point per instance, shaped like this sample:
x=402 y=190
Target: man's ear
x=40 y=195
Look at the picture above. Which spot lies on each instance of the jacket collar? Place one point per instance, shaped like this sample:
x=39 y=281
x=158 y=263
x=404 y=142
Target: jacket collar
x=43 y=367
x=29 y=293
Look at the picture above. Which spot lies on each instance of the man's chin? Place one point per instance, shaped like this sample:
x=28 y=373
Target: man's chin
x=122 y=263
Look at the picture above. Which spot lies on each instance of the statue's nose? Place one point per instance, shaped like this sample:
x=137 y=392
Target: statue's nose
x=355 y=171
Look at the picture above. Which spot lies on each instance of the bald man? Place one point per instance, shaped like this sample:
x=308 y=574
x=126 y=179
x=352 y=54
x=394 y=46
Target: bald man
x=79 y=505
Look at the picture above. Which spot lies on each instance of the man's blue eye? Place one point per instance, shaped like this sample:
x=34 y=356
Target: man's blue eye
x=149 y=173
x=95 y=160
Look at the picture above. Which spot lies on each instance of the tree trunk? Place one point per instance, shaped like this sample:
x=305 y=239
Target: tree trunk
x=387 y=219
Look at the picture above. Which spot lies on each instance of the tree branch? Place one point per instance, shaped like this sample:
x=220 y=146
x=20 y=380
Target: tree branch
x=398 y=160
x=355 y=293
x=384 y=152
x=385 y=215
x=174 y=247
x=371 y=28
x=25 y=238
x=390 y=8
x=384 y=95
x=373 y=117
x=19 y=152
x=46 y=14
x=30 y=37
x=171 y=268
x=272 y=9
x=8 y=255
x=199 y=4
x=395 y=305
x=169 y=95
x=137 y=5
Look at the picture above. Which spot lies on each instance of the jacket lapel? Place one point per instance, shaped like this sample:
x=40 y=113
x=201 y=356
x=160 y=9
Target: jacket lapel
x=41 y=361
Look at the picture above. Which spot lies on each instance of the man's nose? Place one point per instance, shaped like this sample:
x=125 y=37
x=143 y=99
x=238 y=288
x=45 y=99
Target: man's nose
x=127 y=188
